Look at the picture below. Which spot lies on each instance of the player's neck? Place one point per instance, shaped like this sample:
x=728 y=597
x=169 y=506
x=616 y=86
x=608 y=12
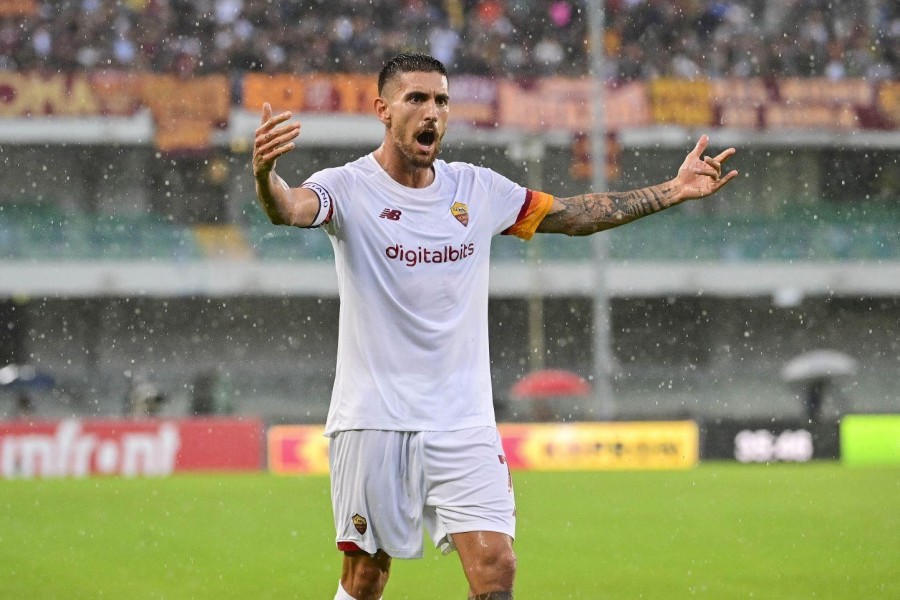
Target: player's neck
x=400 y=169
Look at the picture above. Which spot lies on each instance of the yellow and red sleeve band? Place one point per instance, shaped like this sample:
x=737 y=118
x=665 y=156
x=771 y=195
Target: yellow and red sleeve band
x=534 y=209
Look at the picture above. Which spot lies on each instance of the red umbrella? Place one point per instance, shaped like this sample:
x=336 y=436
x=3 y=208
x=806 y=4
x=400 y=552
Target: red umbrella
x=550 y=383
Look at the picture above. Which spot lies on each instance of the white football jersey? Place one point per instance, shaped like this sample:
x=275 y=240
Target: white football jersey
x=412 y=268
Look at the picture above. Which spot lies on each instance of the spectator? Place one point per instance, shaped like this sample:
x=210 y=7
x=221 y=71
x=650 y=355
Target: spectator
x=24 y=405
x=507 y=38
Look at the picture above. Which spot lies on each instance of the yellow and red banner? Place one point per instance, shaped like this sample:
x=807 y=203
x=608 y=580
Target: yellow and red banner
x=559 y=103
x=564 y=104
x=185 y=110
x=102 y=93
x=344 y=93
x=18 y=8
x=889 y=102
x=302 y=449
x=682 y=102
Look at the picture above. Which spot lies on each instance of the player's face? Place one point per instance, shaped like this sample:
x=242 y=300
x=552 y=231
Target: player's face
x=419 y=105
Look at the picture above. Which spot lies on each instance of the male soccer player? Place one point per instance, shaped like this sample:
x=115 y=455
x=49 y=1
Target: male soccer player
x=413 y=439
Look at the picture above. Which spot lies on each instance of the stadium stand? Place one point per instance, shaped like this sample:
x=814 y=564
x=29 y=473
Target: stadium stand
x=43 y=232
x=645 y=38
x=660 y=56
x=826 y=236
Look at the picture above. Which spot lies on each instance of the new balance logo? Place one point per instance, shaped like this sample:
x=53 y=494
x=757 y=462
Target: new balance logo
x=393 y=215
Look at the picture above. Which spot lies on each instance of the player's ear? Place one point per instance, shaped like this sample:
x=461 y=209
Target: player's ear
x=383 y=110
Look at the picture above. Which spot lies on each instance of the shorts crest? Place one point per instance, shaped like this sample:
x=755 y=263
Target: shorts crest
x=360 y=523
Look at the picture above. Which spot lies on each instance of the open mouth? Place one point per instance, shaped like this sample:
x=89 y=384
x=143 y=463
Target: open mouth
x=426 y=138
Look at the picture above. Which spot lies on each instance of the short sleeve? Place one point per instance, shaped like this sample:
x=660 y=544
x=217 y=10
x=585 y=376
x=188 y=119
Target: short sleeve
x=513 y=208
x=516 y=210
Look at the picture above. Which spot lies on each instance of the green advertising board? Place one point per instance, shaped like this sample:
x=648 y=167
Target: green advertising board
x=870 y=440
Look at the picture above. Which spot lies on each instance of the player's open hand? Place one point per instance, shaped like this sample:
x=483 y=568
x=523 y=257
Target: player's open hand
x=700 y=175
x=274 y=137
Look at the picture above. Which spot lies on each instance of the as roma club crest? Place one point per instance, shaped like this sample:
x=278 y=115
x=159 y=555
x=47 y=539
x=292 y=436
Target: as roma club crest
x=360 y=523
x=461 y=212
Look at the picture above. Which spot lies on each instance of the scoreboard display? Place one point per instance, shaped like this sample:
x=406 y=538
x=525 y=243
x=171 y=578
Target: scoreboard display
x=768 y=440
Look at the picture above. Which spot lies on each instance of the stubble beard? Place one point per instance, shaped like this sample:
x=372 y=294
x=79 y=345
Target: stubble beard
x=413 y=158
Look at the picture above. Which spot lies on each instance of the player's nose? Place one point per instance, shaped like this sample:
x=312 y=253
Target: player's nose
x=431 y=110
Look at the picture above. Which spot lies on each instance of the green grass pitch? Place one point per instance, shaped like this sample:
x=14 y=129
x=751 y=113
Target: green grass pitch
x=718 y=531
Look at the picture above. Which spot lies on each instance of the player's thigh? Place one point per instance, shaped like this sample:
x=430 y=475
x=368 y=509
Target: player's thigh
x=376 y=492
x=468 y=484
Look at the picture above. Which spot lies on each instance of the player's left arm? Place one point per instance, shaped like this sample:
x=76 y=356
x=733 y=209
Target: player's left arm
x=698 y=177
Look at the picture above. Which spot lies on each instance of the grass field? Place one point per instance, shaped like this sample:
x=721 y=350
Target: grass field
x=720 y=531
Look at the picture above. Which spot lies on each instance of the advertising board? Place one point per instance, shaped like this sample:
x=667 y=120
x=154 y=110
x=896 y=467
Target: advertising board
x=870 y=440
x=296 y=449
x=547 y=447
x=79 y=448
x=601 y=446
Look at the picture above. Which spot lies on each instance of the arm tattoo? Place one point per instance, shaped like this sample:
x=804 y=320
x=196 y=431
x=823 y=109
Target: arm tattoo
x=589 y=213
x=493 y=596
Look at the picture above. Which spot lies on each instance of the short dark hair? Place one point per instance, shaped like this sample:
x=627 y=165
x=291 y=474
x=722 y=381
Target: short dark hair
x=409 y=63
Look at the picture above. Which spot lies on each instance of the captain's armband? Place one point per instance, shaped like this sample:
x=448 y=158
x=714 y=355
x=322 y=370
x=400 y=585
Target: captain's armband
x=326 y=204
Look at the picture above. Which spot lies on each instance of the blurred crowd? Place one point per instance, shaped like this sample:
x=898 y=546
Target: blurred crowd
x=836 y=39
x=503 y=38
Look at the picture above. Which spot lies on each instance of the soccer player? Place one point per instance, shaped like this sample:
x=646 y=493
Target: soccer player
x=413 y=438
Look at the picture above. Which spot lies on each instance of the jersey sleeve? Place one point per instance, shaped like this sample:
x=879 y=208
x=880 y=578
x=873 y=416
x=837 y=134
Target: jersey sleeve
x=516 y=210
x=534 y=209
x=329 y=185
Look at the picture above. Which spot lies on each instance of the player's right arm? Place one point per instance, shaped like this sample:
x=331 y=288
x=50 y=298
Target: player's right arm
x=283 y=204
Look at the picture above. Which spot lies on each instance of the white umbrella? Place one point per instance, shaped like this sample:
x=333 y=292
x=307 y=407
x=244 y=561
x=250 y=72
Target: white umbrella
x=819 y=364
x=24 y=377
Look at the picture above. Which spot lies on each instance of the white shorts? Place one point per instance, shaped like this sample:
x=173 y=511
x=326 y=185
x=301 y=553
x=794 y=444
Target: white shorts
x=385 y=485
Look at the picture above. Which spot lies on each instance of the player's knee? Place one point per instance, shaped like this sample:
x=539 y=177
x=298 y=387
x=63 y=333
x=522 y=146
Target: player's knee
x=506 y=565
x=366 y=585
x=497 y=569
x=366 y=580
